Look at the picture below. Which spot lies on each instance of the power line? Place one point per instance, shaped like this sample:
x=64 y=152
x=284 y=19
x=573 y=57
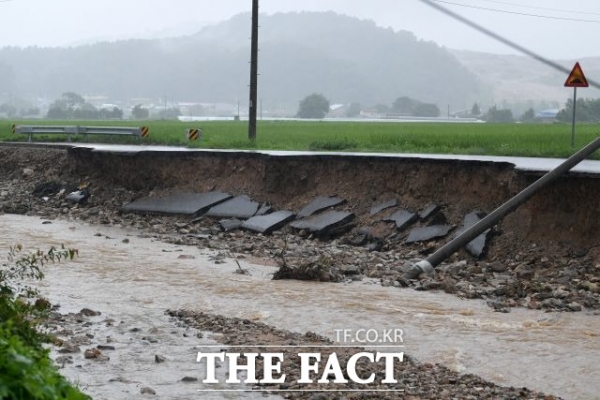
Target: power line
x=518 y=47
x=595 y=21
x=541 y=8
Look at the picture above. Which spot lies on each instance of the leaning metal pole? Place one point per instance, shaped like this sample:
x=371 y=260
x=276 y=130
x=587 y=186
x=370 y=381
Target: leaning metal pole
x=253 y=73
x=428 y=265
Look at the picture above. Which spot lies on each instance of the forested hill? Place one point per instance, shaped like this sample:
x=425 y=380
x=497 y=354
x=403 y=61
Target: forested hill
x=344 y=58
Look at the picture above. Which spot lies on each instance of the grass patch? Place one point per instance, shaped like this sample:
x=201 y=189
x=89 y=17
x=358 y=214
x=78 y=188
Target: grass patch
x=534 y=140
x=333 y=145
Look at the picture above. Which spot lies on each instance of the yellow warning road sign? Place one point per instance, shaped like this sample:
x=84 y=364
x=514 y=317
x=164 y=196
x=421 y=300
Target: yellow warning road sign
x=145 y=131
x=577 y=78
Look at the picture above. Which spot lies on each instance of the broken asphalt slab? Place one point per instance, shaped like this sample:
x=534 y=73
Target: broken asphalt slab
x=318 y=204
x=426 y=233
x=177 y=203
x=320 y=224
x=241 y=207
x=268 y=223
x=402 y=219
x=377 y=208
x=264 y=209
x=476 y=246
x=428 y=211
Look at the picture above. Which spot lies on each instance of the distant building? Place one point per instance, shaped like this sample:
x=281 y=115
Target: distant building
x=547 y=115
x=337 y=111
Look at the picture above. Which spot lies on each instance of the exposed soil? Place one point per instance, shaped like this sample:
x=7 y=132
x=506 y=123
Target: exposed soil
x=544 y=255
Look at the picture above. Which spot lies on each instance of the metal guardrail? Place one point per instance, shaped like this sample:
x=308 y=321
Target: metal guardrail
x=31 y=130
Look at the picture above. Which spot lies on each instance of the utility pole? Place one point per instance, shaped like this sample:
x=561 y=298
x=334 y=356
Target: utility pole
x=253 y=73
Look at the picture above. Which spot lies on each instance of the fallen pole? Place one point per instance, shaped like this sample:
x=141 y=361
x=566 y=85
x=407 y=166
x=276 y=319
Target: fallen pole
x=427 y=266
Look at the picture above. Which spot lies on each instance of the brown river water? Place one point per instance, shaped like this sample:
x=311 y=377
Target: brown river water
x=135 y=282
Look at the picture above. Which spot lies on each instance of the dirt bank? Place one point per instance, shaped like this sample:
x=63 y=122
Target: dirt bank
x=545 y=254
x=563 y=217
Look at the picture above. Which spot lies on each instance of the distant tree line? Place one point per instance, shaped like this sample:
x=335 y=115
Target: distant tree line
x=10 y=111
x=73 y=106
x=317 y=106
x=588 y=110
x=406 y=106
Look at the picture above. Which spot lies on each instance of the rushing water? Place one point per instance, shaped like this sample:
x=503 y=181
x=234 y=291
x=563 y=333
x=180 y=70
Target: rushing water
x=135 y=282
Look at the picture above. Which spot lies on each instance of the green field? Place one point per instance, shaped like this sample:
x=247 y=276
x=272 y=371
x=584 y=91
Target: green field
x=534 y=140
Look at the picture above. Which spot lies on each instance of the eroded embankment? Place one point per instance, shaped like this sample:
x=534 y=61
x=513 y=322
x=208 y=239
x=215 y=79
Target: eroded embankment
x=563 y=218
x=544 y=255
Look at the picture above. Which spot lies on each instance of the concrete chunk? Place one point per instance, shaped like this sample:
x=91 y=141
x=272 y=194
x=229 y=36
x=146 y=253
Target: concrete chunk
x=476 y=246
x=377 y=208
x=322 y=223
x=269 y=222
x=178 y=203
x=241 y=207
x=318 y=204
x=402 y=219
x=426 y=233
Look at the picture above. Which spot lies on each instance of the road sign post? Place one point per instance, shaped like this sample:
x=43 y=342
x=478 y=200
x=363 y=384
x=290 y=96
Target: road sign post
x=576 y=79
x=253 y=73
x=574 y=118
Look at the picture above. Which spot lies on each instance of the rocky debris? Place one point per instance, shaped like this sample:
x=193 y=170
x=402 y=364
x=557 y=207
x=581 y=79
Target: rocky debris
x=69 y=347
x=62 y=360
x=89 y=313
x=418 y=381
x=377 y=208
x=320 y=269
x=147 y=390
x=94 y=354
x=230 y=224
x=49 y=189
x=159 y=359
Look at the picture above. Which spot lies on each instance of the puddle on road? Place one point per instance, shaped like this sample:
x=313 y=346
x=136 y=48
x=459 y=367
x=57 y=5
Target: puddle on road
x=135 y=282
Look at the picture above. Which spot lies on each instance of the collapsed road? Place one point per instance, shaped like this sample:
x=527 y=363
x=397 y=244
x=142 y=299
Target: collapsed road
x=544 y=255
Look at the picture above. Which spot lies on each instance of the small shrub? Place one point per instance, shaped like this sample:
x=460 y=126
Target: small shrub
x=26 y=371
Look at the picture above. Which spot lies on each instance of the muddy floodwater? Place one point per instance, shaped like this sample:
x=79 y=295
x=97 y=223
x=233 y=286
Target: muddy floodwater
x=133 y=282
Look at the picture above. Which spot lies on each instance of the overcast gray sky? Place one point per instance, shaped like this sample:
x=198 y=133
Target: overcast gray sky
x=69 y=22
